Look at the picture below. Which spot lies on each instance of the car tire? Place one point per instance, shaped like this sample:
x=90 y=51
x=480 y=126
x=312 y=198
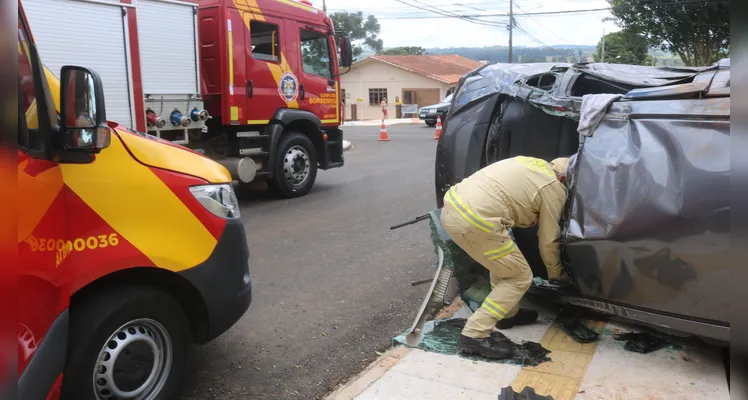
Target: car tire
x=123 y=327
x=295 y=168
x=431 y=124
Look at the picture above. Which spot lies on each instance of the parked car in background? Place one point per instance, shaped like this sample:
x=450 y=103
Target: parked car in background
x=428 y=114
x=645 y=234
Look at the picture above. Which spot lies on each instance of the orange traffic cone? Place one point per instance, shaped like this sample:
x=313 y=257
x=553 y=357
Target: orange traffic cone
x=383 y=133
x=438 y=131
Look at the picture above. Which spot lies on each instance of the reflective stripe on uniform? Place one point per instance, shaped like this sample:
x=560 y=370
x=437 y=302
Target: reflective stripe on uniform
x=537 y=165
x=466 y=213
x=494 y=308
x=501 y=251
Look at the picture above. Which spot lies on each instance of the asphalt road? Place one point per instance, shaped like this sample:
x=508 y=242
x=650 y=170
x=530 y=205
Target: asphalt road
x=331 y=281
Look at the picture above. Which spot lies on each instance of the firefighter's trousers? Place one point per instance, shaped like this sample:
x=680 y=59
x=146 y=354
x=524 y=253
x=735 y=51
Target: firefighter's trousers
x=511 y=275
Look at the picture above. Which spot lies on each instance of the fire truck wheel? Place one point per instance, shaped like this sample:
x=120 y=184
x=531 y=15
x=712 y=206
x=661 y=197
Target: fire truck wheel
x=128 y=343
x=295 y=167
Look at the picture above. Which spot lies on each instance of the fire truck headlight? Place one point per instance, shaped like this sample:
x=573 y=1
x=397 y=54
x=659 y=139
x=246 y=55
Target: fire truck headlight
x=218 y=199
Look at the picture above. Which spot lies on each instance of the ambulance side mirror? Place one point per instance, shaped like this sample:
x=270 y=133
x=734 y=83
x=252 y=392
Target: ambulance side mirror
x=346 y=52
x=82 y=110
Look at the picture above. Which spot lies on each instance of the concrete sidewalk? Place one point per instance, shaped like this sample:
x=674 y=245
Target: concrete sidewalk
x=601 y=370
x=378 y=122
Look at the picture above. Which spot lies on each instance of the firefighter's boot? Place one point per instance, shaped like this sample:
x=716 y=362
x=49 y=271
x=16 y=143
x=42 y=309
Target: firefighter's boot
x=485 y=347
x=523 y=317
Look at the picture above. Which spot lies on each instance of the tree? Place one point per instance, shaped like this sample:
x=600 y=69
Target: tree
x=697 y=31
x=623 y=47
x=363 y=32
x=533 y=59
x=403 y=51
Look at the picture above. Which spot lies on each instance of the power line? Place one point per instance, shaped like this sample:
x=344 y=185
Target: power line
x=504 y=14
x=451 y=14
x=447 y=7
x=533 y=37
x=543 y=26
x=462 y=16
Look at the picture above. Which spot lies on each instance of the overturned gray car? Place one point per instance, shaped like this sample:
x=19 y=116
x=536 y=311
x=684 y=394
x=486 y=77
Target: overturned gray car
x=646 y=229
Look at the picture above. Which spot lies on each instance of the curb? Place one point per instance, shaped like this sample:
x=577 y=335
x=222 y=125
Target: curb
x=377 y=122
x=360 y=382
x=347 y=145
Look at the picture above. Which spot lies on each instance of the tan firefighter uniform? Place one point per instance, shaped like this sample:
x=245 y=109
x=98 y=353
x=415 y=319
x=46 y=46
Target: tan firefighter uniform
x=478 y=211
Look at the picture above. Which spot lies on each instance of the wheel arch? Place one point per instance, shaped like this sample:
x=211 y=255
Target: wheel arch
x=461 y=148
x=172 y=283
x=305 y=123
x=308 y=129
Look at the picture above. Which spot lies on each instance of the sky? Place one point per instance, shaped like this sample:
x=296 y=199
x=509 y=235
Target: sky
x=547 y=30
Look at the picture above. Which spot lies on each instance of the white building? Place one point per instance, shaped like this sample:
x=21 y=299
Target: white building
x=417 y=80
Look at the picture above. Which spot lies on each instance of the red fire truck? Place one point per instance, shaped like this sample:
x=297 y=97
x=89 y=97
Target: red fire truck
x=252 y=84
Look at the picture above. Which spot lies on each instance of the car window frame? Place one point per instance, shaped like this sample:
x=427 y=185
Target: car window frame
x=278 y=41
x=326 y=39
x=44 y=103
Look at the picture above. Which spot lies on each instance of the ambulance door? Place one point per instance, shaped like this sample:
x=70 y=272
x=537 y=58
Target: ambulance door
x=44 y=271
x=318 y=88
x=270 y=84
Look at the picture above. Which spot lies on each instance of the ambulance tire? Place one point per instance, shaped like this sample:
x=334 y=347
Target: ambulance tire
x=96 y=319
x=304 y=157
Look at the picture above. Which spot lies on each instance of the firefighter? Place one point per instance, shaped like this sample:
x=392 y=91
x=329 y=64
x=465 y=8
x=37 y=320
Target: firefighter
x=478 y=213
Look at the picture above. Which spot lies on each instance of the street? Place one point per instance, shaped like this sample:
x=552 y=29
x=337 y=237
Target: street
x=331 y=281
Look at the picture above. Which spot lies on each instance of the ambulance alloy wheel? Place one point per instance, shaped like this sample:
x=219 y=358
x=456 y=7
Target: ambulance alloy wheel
x=295 y=166
x=130 y=343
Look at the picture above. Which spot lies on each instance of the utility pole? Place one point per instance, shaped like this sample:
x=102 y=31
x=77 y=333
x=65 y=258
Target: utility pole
x=324 y=6
x=511 y=25
x=602 y=56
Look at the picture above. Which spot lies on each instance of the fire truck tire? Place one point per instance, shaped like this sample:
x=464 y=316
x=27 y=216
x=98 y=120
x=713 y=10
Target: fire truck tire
x=295 y=168
x=141 y=330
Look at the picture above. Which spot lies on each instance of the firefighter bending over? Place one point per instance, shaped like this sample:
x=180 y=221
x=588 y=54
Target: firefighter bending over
x=478 y=213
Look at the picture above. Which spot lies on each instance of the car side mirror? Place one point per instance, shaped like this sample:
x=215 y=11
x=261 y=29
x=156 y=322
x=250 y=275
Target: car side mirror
x=346 y=53
x=82 y=109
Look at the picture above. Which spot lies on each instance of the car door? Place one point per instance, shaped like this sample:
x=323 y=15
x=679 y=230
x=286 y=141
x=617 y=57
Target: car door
x=43 y=245
x=318 y=91
x=270 y=83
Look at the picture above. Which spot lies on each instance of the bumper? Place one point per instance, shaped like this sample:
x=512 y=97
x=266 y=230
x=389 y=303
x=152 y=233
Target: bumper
x=223 y=280
x=431 y=116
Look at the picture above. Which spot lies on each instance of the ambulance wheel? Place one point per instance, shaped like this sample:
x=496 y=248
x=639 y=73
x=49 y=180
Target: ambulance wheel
x=295 y=167
x=129 y=343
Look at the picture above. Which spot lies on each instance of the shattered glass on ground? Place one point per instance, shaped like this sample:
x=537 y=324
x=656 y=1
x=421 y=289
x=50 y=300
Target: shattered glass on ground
x=442 y=336
x=473 y=279
x=528 y=393
x=642 y=342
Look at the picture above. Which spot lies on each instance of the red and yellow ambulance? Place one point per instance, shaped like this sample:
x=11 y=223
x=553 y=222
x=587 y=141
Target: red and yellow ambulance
x=130 y=247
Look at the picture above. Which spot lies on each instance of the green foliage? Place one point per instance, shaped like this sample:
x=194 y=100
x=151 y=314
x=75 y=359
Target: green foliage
x=403 y=51
x=363 y=32
x=532 y=59
x=315 y=54
x=697 y=31
x=623 y=47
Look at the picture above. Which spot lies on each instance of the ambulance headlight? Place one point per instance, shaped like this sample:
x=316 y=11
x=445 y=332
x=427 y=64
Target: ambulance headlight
x=218 y=199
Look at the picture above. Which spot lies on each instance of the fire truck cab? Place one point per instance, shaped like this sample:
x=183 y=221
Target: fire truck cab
x=270 y=81
x=251 y=84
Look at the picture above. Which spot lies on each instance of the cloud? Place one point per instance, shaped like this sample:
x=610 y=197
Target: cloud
x=556 y=29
